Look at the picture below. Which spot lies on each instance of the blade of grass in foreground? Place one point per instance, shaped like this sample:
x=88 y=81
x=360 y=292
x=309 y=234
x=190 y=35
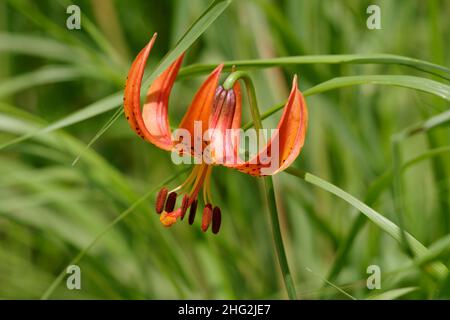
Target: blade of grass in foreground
x=438 y=270
x=422 y=84
x=384 y=181
x=46 y=75
x=97 y=238
x=88 y=112
x=105 y=127
x=437 y=250
x=397 y=188
x=332 y=285
x=373 y=193
x=192 y=34
x=435 y=69
x=41 y=47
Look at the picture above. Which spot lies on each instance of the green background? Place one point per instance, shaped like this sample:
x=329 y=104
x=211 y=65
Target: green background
x=69 y=82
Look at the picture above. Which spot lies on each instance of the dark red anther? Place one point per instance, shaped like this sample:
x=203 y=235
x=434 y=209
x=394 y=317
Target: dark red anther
x=171 y=200
x=207 y=215
x=184 y=206
x=192 y=211
x=216 y=220
x=160 y=200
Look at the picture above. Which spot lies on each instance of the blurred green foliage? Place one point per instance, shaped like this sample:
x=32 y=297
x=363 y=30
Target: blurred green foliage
x=50 y=210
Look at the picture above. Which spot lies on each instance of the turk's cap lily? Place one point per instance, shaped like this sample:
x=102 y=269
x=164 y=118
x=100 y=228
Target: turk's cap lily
x=219 y=112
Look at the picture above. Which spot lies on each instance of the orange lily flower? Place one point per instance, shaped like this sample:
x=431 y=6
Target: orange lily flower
x=219 y=112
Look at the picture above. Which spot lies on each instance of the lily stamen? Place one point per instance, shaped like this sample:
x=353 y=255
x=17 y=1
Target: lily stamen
x=198 y=178
x=206 y=188
x=192 y=211
x=207 y=216
x=198 y=183
x=184 y=206
x=216 y=220
x=161 y=200
x=170 y=203
x=188 y=180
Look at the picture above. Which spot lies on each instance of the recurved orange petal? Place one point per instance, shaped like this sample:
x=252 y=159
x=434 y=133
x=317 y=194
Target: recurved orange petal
x=286 y=144
x=131 y=98
x=155 y=111
x=153 y=126
x=200 y=108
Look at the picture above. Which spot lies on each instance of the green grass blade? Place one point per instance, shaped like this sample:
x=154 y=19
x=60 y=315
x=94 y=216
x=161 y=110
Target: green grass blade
x=373 y=193
x=116 y=115
x=332 y=284
x=435 y=69
x=426 y=155
x=90 y=111
x=192 y=34
x=99 y=236
x=417 y=83
x=46 y=75
x=437 y=269
x=437 y=250
x=97 y=36
x=397 y=187
x=29 y=10
x=40 y=47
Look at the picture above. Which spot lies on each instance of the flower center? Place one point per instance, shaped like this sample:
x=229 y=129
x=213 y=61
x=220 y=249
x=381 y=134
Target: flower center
x=222 y=111
x=222 y=136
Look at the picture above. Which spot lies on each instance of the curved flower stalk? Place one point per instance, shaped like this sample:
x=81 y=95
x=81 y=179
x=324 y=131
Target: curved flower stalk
x=209 y=133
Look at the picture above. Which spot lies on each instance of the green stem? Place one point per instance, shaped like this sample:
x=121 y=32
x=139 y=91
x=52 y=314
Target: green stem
x=278 y=239
x=268 y=182
x=251 y=94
